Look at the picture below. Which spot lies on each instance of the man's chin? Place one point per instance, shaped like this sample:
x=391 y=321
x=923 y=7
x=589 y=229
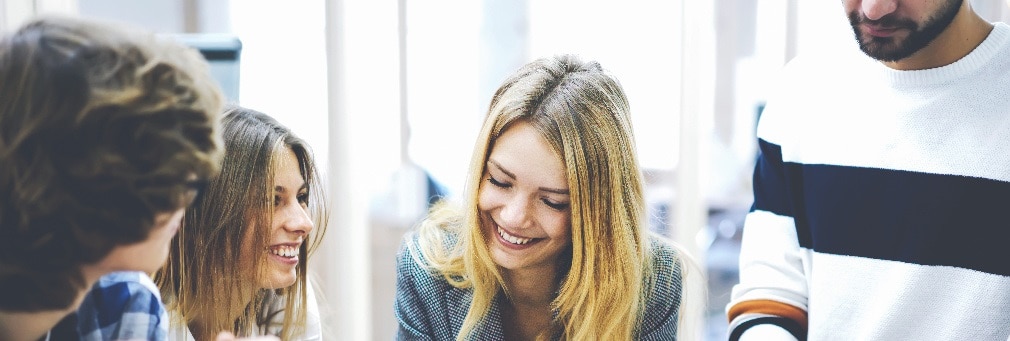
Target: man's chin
x=884 y=51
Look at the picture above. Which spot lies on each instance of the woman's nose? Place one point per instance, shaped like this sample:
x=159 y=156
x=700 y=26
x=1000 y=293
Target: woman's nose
x=515 y=213
x=297 y=220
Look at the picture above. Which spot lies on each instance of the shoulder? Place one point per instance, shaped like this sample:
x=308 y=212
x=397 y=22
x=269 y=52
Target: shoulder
x=426 y=305
x=413 y=268
x=662 y=304
x=123 y=305
x=1001 y=35
x=409 y=258
x=125 y=292
x=313 y=321
x=177 y=330
x=795 y=94
x=663 y=250
x=133 y=281
x=667 y=269
x=997 y=65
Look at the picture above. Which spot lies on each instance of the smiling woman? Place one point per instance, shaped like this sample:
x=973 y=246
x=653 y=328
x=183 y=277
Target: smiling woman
x=524 y=203
x=549 y=241
x=240 y=260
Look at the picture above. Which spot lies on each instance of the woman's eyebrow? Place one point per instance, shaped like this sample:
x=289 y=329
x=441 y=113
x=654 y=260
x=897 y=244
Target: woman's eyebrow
x=502 y=169
x=513 y=176
x=554 y=190
x=282 y=189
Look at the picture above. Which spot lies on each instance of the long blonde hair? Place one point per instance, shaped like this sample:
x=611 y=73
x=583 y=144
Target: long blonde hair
x=203 y=275
x=583 y=113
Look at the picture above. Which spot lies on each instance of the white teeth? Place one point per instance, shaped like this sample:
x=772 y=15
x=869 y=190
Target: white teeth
x=285 y=251
x=513 y=239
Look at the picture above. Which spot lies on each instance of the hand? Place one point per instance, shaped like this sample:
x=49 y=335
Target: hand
x=226 y=336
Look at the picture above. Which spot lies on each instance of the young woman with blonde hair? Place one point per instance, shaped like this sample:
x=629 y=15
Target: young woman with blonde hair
x=240 y=260
x=550 y=240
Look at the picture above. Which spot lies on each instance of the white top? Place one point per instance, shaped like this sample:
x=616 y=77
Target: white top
x=178 y=331
x=880 y=202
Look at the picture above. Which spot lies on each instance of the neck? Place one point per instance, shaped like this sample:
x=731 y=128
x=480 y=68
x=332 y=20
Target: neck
x=532 y=287
x=529 y=313
x=964 y=34
x=31 y=326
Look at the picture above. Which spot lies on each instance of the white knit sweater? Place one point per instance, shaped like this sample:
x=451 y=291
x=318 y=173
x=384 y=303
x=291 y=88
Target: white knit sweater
x=882 y=203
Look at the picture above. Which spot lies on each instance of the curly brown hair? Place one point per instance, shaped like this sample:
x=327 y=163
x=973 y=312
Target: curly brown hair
x=101 y=129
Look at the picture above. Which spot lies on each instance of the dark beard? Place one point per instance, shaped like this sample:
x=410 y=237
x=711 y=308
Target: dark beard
x=890 y=49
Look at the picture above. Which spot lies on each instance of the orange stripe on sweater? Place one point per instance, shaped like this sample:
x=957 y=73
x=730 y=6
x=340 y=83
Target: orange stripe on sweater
x=768 y=307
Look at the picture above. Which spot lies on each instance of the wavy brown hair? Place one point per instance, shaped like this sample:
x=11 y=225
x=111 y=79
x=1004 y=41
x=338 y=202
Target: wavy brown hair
x=203 y=276
x=101 y=128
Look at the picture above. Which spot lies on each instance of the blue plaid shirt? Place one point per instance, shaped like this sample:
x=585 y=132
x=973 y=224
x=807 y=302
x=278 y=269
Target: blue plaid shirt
x=123 y=306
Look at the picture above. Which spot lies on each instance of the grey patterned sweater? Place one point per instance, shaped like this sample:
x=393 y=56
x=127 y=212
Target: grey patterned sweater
x=429 y=308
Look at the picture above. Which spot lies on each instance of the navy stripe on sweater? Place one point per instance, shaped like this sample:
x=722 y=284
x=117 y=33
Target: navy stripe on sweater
x=798 y=331
x=911 y=217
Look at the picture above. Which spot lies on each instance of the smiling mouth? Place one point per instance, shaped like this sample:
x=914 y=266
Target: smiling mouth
x=285 y=251
x=513 y=239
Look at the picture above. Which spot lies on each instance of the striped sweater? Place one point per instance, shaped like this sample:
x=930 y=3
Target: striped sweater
x=881 y=203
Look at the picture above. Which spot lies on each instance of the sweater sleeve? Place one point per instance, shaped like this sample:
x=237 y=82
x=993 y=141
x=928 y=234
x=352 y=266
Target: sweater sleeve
x=662 y=312
x=772 y=292
x=410 y=306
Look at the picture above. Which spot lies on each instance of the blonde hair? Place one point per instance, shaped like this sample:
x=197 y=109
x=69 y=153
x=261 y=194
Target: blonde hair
x=203 y=275
x=583 y=113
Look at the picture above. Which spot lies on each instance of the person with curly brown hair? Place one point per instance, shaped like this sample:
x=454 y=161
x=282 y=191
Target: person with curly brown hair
x=106 y=135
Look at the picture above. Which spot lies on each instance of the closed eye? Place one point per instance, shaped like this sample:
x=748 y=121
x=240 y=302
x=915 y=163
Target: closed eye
x=560 y=206
x=497 y=183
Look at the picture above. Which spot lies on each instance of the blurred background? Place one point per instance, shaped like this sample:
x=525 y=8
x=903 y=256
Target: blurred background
x=391 y=93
